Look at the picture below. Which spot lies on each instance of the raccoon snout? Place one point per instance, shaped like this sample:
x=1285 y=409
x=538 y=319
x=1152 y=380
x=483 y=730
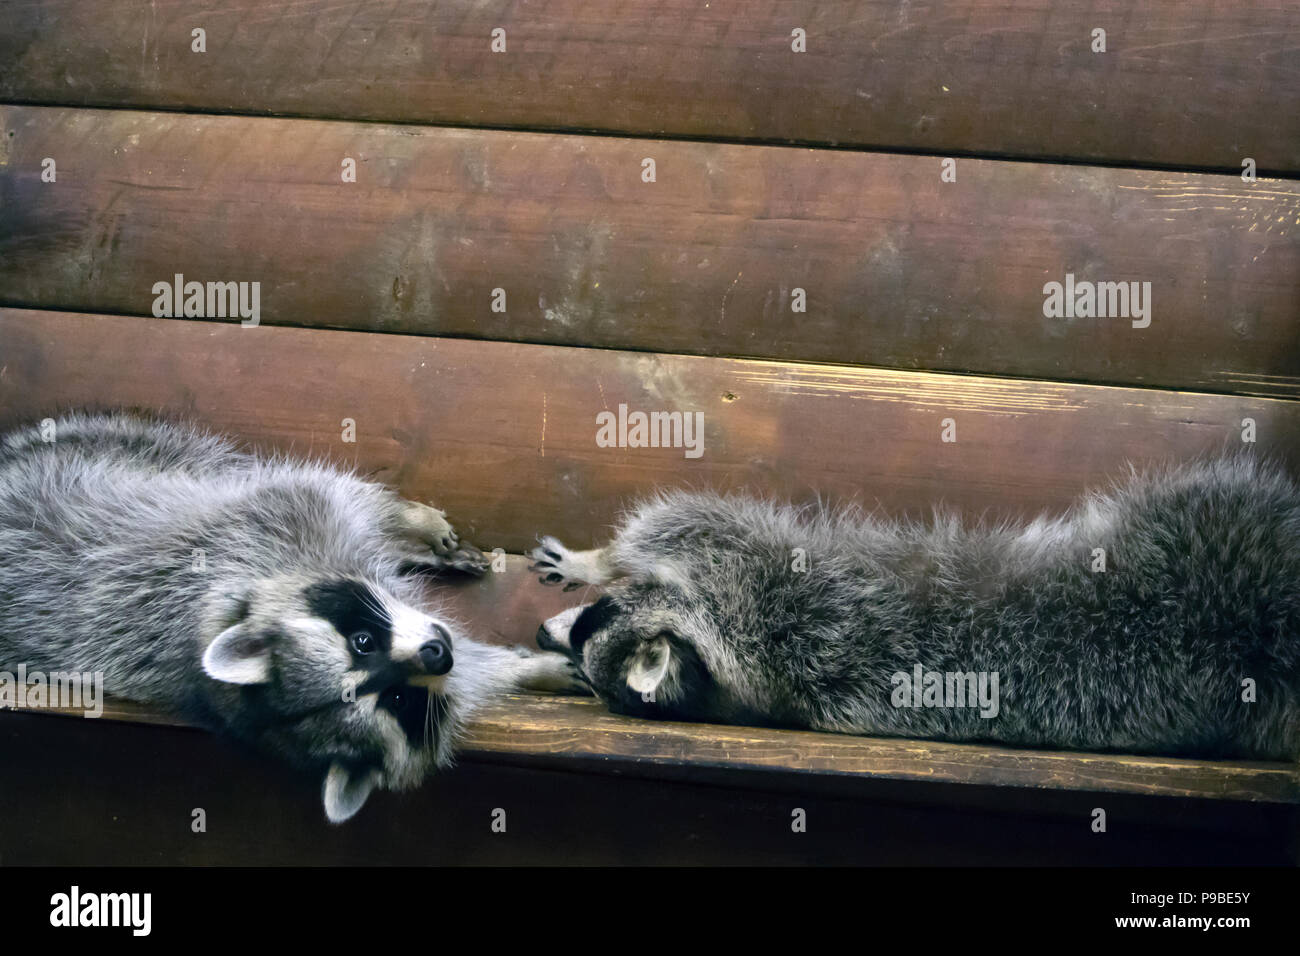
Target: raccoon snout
x=546 y=642
x=553 y=635
x=435 y=655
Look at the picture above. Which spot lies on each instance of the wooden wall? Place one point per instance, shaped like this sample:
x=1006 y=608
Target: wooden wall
x=1186 y=83
x=503 y=434
x=898 y=268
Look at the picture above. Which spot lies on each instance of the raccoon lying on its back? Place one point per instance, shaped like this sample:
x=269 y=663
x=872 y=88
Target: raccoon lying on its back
x=267 y=598
x=711 y=615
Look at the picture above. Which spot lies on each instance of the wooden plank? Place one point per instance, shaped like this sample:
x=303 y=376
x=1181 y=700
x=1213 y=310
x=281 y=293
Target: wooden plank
x=582 y=730
x=577 y=728
x=898 y=268
x=1182 y=82
x=504 y=435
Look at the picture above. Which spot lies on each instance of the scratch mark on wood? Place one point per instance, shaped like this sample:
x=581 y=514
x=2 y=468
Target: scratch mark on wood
x=723 y=318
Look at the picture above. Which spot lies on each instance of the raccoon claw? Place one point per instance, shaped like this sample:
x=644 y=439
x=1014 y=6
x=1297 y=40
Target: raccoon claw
x=546 y=560
x=552 y=672
x=430 y=526
x=550 y=547
x=578 y=684
x=466 y=559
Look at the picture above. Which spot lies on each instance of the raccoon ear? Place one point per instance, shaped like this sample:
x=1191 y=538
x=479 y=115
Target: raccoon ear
x=650 y=665
x=344 y=793
x=238 y=656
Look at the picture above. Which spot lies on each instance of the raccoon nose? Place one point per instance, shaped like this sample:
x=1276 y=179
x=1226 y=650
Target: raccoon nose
x=546 y=642
x=435 y=655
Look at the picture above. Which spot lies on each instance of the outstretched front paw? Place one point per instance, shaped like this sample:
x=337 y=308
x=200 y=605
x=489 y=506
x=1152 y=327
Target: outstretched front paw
x=551 y=672
x=435 y=546
x=555 y=564
x=429 y=525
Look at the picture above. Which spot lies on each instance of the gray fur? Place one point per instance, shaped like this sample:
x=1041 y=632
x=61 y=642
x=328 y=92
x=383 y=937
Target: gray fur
x=1201 y=591
x=98 y=531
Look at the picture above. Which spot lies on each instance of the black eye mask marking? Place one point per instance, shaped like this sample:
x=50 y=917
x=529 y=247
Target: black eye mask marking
x=589 y=622
x=409 y=704
x=353 y=609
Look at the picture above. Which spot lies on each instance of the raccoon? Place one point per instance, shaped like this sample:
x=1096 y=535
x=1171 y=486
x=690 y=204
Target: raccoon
x=268 y=598
x=1159 y=616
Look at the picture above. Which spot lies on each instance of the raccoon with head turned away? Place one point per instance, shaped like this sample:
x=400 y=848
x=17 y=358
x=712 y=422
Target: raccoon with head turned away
x=1162 y=616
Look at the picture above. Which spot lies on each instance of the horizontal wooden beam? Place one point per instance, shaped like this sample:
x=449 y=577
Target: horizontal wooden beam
x=506 y=436
x=1180 y=82
x=891 y=266
x=575 y=729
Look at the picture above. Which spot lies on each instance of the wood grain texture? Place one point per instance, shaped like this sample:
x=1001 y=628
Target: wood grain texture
x=899 y=269
x=504 y=435
x=1182 y=82
x=577 y=729
x=584 y=729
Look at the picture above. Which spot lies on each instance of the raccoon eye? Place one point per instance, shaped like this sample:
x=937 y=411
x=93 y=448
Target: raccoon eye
x=363 y=642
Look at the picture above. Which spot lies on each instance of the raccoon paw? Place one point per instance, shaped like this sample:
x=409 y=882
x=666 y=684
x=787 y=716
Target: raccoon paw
x=466 y=559
x=554 y=564
x=429 y=526
x=552 y=672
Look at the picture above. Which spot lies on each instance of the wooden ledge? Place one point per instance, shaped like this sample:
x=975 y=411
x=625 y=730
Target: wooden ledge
x=574 y=729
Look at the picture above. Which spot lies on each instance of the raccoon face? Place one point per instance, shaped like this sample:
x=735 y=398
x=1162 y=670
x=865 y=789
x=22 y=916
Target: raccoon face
x=337 y=674
x=641 y=653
